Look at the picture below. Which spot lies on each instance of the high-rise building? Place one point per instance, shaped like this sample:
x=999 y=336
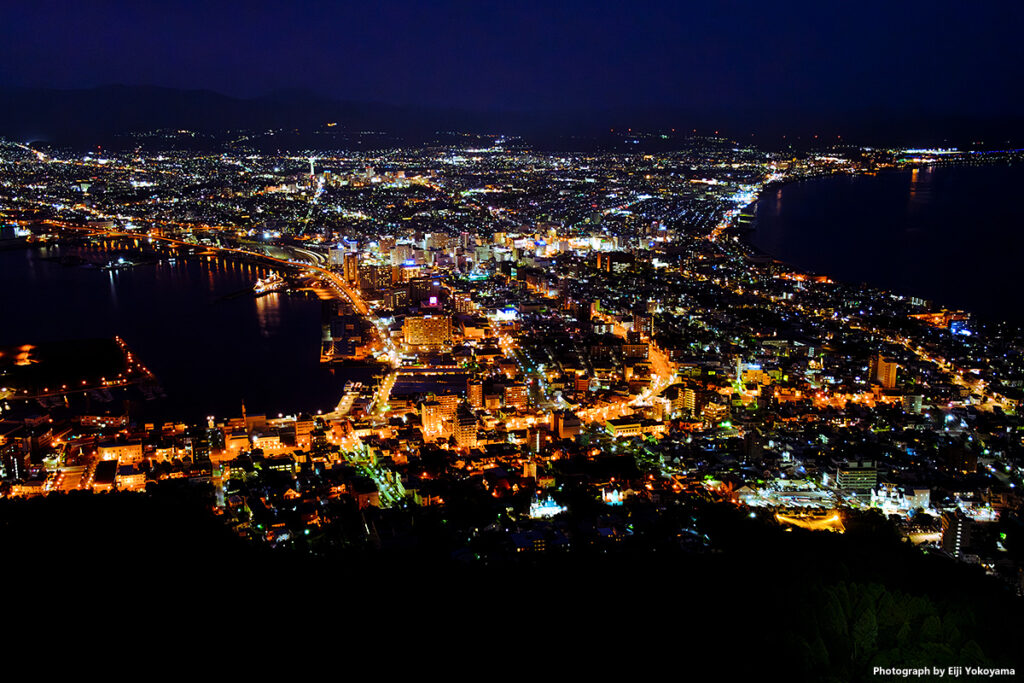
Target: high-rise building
x=351 y=267
x=463 y=302
x=449 y=405
x=400 y=253
x=682 y=400
x=475 y=393
x=303 y=428
x=537 y=438
x=516 y=396
x=956 y=533
x=431 y=418
x=857 y=475
x=424 y=289
x=428 y=332
x=689 y=401
x=614 y=262
x=336 y=256
x=644 y=324
x=465 y=429
x=397 y=298
x=883 y=371
x=374 y=277
x=345 y=335
x=912 y=403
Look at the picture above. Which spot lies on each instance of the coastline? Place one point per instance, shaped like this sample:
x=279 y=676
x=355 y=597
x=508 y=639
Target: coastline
x=745 y=235
x=263 y=333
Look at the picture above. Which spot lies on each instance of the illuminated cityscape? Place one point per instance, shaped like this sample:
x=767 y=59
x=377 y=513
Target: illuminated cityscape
x=478 y=354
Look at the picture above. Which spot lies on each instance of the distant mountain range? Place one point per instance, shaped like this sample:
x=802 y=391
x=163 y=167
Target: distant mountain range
x=96 y=115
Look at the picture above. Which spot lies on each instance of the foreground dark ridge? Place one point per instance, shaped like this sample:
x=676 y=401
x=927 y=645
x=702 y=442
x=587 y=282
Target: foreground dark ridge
x=824 y=604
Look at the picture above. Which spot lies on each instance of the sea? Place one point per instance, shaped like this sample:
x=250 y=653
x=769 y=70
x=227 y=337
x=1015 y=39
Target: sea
x=953 y=235
x=194 y=323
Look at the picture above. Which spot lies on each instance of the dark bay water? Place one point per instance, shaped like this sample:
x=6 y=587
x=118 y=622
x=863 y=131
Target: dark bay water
x=208 y=349
x=954 y=235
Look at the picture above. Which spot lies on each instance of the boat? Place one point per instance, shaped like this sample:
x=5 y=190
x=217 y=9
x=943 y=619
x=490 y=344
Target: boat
x=271 y=283
x=118 y=264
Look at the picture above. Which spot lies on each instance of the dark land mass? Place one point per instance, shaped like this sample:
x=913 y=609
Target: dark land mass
x=52 y=364
x=105 y=115
x=817 y=606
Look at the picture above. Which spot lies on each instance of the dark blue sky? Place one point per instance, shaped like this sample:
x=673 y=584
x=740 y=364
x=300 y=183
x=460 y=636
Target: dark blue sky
x=950 y=56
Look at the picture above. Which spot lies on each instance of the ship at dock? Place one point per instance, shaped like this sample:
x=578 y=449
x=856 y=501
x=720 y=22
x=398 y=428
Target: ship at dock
x=120 y=263
x=271 y=283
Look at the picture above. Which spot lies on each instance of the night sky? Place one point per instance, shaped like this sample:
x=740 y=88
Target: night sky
x=950 y=56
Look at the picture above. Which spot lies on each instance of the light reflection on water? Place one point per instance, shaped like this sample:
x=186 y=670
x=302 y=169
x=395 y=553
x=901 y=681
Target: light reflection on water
x=268 y=313
x=950 y=234
x=194 y=323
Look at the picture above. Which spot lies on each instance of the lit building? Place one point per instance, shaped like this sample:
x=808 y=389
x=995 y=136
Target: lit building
x=351 y=267
x=267 y=441
x=400 y=253
x=894 y=497
x=614 y=262
x=956 y=533
x=431 y=417
x=449 y=405
x=463 y=302
x=857 y=475
x=374 y=277
x=537 y=438
x=130 y=479
x=465 y=430
x=636 y=350
x=424 y=289
x=913 y=404
x=124 y=453
x=303 y=427
x=883 y=371
x=544 y=507
x=682 y=400
x=428 y=332
x=644 y=324
x=689 y=401
x=516 y=396
x=475 y=393
x=568 y=425
x=397 y=298
x=624 y=426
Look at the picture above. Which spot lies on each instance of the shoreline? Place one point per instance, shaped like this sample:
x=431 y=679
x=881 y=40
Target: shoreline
x=176 y=404
x=750 y=251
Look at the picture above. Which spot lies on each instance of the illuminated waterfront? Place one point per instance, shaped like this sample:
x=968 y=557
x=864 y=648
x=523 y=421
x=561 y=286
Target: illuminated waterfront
x=935 y=232
x=194 y=323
